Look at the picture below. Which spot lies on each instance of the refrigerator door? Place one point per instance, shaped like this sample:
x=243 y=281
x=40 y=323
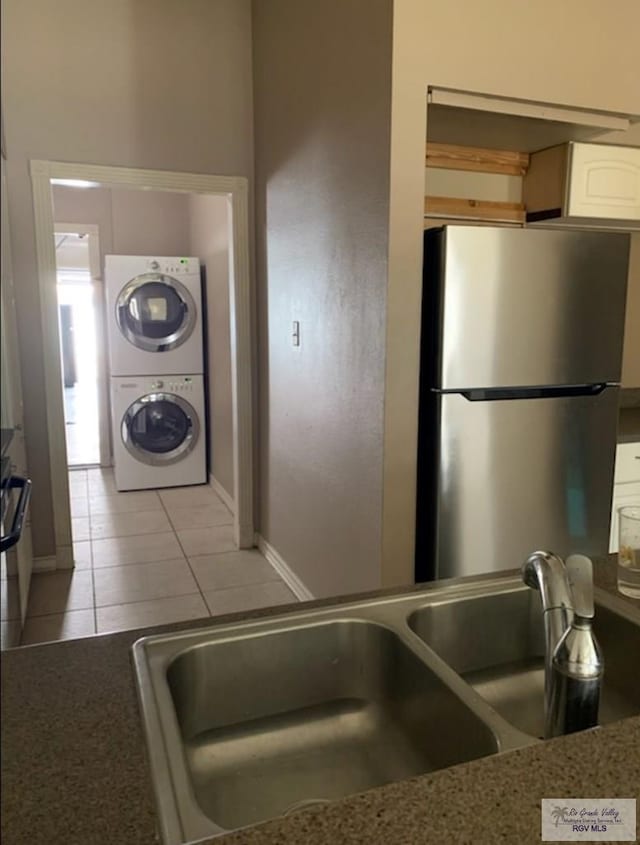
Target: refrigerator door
x=516 y=307
x=514 y=476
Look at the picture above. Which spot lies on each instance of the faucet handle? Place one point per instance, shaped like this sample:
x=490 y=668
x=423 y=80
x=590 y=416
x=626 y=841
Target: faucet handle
x=580 y=575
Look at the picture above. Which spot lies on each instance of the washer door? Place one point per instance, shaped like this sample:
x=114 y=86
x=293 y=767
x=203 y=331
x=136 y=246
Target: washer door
x=160 y=429
x=155 y=312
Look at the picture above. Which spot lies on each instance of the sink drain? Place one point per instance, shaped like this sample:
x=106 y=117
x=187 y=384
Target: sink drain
x=306 y=804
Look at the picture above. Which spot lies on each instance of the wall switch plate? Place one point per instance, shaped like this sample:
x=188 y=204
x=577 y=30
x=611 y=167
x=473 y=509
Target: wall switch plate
x=295 y=334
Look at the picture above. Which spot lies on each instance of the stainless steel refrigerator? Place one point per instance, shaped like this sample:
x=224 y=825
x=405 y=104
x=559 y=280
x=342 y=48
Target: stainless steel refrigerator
x=521 y=351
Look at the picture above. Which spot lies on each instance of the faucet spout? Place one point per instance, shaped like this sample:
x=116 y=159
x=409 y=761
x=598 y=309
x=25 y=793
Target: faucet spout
x=573 y=661
x=546 y=572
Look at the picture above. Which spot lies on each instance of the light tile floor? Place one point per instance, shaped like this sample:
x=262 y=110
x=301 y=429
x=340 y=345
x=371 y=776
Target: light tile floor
x=146 y=558
x=81 y=421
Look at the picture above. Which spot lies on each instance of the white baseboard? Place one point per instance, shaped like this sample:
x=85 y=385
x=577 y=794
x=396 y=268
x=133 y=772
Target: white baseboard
x=220 y=490
x=284 y=570
x=45 y=564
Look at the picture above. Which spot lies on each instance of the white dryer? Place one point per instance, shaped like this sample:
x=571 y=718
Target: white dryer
x=159 y=436
x=154 y=315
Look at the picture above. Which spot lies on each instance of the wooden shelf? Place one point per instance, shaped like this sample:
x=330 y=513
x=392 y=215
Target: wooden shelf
x=479 y=159
x=470 y=209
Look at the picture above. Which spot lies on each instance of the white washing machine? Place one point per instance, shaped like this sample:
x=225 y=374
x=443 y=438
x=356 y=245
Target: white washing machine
x=159 y=436
x=154 y=315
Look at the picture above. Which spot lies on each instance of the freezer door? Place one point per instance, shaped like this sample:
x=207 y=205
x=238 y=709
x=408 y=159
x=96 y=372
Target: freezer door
x=514 y=476
x=527 y=307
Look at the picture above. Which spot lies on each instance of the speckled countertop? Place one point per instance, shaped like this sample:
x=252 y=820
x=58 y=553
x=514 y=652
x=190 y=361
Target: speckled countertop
x=74 y=768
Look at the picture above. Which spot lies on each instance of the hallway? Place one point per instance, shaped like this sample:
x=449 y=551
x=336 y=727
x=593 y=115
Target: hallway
x=147 y=558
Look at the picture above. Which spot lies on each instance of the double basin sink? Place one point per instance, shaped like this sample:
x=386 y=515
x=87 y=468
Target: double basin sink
x=251 y=721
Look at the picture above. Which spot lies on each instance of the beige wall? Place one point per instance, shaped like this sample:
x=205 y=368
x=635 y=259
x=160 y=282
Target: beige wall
x=150 y=223
x=631 y=353
x=138 y=83
x=574 y=52
x=130 y=222
x=75 y=205
x=322 y=85
x=209 y=232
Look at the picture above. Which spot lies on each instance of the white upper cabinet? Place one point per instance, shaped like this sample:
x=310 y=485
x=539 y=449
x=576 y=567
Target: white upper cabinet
x=604 y=182
x=584 y=184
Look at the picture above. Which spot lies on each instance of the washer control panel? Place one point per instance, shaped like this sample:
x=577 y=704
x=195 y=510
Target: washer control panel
x=180 y=384
x=174 y=266
x=172 y=384
x=167 y=384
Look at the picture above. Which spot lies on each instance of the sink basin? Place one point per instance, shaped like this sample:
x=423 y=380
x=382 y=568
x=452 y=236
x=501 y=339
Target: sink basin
x=250 y=722
x=274 y=722
x=496 y=643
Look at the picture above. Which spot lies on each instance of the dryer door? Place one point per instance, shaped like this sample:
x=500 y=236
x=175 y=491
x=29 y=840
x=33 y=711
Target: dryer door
x=160 y=429
x=155 y=312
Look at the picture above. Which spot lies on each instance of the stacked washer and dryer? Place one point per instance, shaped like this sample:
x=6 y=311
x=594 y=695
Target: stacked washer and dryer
x=154 y=308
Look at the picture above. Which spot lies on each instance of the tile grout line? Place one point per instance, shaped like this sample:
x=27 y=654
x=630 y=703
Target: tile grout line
x=93 y=580
x=129 y=513
x=162 y=560
x=183 y=595
x=145 y=601
x=138 y=562
x=116 y=566
x=168 y=515
x=56 y=613
x=93 y=591
x=186 y=557
x=173 y=557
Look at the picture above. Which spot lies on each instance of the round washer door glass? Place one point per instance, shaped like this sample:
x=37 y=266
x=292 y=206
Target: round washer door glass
x=160 y=429
x=155 y=312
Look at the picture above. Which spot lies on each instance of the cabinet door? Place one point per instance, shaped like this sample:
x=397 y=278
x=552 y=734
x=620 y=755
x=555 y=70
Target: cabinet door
x=624 y=495
x=605 y=182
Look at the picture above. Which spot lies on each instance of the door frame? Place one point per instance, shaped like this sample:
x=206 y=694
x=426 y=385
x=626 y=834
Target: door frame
x=235 y=189
x=20 y=562
x=97 y=286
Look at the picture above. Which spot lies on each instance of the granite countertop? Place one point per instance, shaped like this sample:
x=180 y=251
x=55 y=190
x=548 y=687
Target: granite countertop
x=74 y=768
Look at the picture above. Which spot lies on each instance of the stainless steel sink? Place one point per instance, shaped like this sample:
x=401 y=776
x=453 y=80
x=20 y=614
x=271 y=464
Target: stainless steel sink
x=251 y=721
x=279 y=719
x=496 y=643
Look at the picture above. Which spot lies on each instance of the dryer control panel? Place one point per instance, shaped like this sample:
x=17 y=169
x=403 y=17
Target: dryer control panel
x=174 y=266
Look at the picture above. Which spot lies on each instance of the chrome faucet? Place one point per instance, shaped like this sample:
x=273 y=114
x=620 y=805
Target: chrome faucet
x=573 y=661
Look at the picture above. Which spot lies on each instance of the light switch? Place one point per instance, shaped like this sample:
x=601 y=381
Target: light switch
x=295 y=335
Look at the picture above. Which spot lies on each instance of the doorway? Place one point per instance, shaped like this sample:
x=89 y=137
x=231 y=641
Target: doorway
x=234 y=191
x=80 y=321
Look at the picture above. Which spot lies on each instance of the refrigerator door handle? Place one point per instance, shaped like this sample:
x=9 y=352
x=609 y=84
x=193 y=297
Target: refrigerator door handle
x=495 y=394
x=15 y=482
